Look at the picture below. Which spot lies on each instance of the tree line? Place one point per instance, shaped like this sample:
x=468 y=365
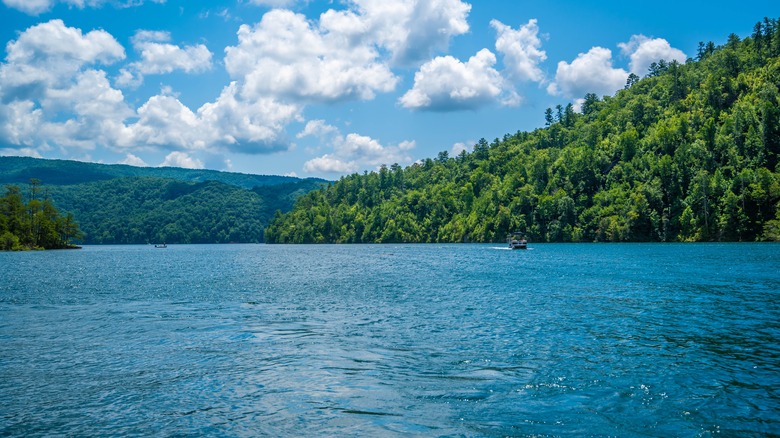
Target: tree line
x=30 y=220
x=687 y=153
x=140 y=210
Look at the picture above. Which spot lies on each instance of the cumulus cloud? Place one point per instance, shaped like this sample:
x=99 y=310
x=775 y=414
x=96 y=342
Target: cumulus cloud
x=133 y=160
x=60 y=49
x=459 y=147
x=341 y=56
x=447 y=84
x=54 y=90
x=49 y=56
x=181 y=159
x=32 y=7
x=593 y=72
x=48 y=72
x=330 y=164
x=353 y=152
x=410 y=30
x=414 y=29
x=590 y=72
x=158 y=56
x=229 y=123
x=521 y=49
x=285 y=56
x=644 y=51
x=35 y=7
x=249 y=125
x=317 y=128
x=53 y=94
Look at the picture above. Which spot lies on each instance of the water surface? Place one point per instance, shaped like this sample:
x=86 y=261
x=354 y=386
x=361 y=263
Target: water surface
x=391 y=340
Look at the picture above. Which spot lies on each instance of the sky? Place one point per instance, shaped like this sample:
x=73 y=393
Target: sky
x=320 y=88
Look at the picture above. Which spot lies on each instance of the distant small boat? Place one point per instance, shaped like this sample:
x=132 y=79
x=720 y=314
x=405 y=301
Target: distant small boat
x=161 y=246
x=517 y=240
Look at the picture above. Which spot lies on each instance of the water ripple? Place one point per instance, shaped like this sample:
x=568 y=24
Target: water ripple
x=431 y=340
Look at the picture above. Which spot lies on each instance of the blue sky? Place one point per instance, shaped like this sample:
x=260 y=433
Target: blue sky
x=319 y=88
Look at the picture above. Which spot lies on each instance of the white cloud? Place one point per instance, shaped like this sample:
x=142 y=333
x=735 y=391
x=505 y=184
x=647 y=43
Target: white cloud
x=144 y=36
x=317 y=128
x=181 y=159
x=165 y=58
x=229 y=122
x=164 y=121
x=19 y=122
x=427 y=26
x=459 y=147
x=285 y=57
x=250 y=125
x=355 y=152
x=590 y=72
x=447 y=84
x=46 y=76
x=32 y=7
x=22 y=152
x=35 y=7
x=410 y=30
x=52 y=95
x=52 y=50
x=329 y=164
x=54 y=91
x=644 y=51
x=160 y=57
x=133 y=160
x=340 y=56
x=521 y=50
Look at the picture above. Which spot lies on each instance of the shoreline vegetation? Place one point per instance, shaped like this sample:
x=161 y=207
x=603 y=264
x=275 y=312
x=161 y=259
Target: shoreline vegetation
x=36 y=224
x=688 y=153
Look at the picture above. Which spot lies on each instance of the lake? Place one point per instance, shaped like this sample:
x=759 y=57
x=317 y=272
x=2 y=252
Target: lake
x=391 y=340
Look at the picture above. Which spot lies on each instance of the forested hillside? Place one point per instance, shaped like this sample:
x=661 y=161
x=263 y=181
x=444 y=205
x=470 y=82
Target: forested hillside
x=148 y=210
x=19 y=170
x=118 y=204
x=687 y=153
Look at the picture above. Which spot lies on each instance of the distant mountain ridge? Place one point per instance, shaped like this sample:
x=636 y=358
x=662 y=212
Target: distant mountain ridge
x=121 y=204
x=19 y=170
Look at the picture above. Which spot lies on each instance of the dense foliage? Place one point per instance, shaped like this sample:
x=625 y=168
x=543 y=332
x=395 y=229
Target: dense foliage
x=34 y=224
x=126 y=204
x=154 y=210
x=687 y=153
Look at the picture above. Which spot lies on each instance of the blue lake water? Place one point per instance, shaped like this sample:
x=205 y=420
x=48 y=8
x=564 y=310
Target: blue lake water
x=391 y=340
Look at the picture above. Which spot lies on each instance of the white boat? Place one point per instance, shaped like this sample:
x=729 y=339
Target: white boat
x=161 y=246
x=517 y=241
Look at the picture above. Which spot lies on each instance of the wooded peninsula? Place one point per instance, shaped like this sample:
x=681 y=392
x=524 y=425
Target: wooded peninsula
x=687 y=153
x=35 y=224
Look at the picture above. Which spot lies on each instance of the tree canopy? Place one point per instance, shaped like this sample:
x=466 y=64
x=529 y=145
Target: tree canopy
x=149 y=210
x=118 y=204
x=687 y=153
x=29 y=220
